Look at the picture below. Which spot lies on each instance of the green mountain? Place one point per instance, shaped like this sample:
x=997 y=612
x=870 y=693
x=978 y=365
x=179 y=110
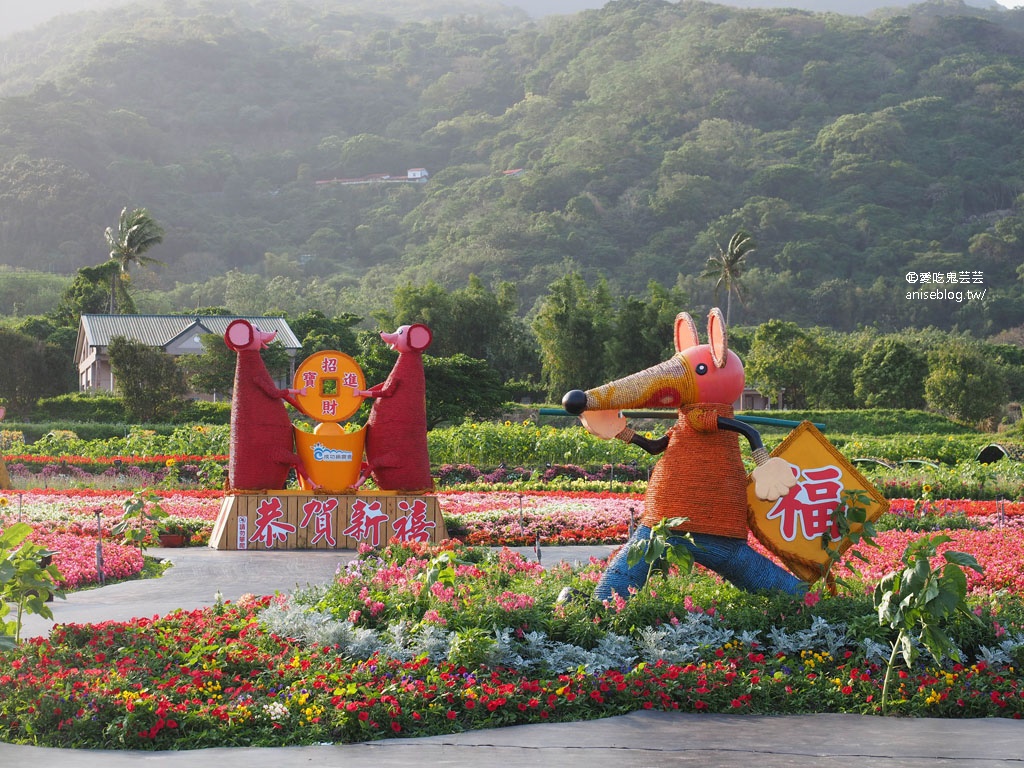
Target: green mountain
x=869 y=159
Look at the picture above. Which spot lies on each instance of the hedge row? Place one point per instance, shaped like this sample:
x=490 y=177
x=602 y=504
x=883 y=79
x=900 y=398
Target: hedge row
x=90 y=408
x=891 y=436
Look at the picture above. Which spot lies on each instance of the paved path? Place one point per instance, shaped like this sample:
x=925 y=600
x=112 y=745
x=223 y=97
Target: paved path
x=638 y=740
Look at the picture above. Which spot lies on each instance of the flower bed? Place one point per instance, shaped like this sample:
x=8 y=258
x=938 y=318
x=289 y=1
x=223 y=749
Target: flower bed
x=179 y=471
x=516 y=519
x=411 y=641
x=66 y=522
x=494 y=518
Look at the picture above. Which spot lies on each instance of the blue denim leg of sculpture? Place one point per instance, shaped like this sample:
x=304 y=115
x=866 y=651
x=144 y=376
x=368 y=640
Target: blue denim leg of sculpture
x=732 y=558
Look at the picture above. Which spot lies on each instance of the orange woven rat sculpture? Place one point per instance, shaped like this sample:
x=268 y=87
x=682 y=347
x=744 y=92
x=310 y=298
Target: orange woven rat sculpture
x=700 y=476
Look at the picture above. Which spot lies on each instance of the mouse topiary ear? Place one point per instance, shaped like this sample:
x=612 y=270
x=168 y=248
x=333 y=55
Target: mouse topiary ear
x=686 y=332
x=717 y=338
x=420 y=336
x=238 y=335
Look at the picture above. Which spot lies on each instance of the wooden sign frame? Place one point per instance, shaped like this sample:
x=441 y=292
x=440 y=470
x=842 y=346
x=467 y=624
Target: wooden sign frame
x=792 y=527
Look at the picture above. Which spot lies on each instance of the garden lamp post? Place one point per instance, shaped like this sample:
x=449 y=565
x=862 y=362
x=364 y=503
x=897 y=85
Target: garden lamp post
x=99 y=544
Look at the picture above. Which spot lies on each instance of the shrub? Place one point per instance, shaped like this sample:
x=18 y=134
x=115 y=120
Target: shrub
x=80 y=406
x=205 y=412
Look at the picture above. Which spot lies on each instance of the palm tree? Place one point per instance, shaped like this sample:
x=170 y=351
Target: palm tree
x=136 y=233
x=727 y=267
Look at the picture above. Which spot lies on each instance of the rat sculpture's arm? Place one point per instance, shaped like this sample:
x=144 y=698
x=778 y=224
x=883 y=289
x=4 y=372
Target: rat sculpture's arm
x=609 y=424
x=773 y=477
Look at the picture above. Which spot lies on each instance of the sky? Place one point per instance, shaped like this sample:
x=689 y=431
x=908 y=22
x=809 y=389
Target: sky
x=19 y=15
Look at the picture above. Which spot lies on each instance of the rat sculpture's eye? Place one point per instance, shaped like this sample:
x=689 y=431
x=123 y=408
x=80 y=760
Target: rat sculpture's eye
x=701 y=369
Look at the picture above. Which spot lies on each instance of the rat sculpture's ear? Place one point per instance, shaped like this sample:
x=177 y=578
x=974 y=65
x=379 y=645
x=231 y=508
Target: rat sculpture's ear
x=419 y=336
x=717 y=338
x=239 y=334
x=686 y=332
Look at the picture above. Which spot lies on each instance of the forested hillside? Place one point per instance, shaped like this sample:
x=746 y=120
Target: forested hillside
x=629 y=142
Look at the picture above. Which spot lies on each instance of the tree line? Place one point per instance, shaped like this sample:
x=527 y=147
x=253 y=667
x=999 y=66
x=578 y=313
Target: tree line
x=486 y=353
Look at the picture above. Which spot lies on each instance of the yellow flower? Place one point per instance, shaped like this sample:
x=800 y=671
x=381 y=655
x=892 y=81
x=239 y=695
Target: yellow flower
x=171 y=462
x=3 y=501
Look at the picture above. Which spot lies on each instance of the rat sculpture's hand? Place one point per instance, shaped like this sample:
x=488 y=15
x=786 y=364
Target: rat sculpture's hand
x=603 y=424
x=773 y=479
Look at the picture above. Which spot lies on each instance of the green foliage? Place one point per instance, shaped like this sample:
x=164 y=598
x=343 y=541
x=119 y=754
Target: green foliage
x=31 y=369
x=33 y=432
x=875 y=422
x=122 y=440
x=641 y=331
x=838 y=142
x=89 y=293
x=23 y=292
x=461 y=387
x=150 y=382
x=80 y=407
x=135 y=234
x=488 y=444
x=205 y=412
x=940 y=448
x=916 y=601
x=473 y=648
x=891 y=374
x=726 y=268
x=782 y=363
x=211 y=371
x=571 y=325
x=659 y=552
x=967 y=479
x=472 y=321
x=318 y=332
x=852 y=528
x=25 y=582
x=964 y=384
x=143 y=519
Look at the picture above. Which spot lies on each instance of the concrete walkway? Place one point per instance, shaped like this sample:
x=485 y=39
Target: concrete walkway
x=642 y=739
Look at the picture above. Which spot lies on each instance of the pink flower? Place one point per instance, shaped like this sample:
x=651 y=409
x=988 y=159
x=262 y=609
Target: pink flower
x=511 y=601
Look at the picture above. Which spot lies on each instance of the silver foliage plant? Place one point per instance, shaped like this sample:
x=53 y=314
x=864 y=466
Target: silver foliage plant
x=689 y=639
